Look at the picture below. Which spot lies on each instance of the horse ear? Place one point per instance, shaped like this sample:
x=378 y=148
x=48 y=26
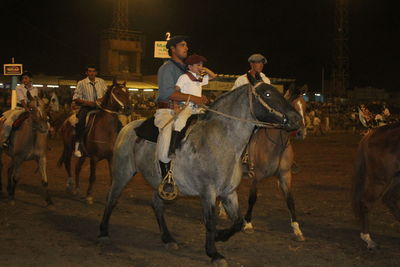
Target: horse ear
x=251 y=79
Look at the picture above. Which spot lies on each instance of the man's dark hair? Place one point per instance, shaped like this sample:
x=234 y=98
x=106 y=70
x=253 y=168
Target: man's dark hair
x=90 y=66
x=26 y=73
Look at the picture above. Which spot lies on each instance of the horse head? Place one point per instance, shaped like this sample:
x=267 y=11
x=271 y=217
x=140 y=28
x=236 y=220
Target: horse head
x=117 y=98
x=295 y=96
x=268 y=105
x=37 y=110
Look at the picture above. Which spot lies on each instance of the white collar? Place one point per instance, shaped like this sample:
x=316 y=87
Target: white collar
x=89 y=81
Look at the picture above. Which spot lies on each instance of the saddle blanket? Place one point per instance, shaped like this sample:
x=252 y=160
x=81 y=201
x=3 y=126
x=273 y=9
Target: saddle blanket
x=148 y=131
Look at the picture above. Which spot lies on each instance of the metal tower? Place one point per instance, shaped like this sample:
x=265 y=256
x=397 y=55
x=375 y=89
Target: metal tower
x=121 y=48
x=341 y=62
x=120 y=15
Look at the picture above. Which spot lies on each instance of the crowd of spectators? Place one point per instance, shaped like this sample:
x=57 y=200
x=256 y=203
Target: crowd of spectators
x=321 y=118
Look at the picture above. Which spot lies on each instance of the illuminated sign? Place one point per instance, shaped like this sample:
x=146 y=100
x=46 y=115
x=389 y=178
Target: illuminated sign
x=12 y=69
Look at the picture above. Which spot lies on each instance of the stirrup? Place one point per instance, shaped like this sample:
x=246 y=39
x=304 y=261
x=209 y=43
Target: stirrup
x=168 y=181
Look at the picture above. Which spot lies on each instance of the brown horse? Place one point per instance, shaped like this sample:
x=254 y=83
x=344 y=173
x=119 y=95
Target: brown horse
x=100 y=134
x=377 y=175
x=27 y=142
x=270 y=153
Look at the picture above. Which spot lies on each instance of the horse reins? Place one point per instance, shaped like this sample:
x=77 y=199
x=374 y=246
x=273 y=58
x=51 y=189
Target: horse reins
x=252 y=92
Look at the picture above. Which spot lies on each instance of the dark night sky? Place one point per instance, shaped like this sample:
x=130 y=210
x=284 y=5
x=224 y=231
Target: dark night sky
x=61 y=37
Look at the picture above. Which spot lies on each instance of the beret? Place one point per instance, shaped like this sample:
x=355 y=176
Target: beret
x=257 y=58
x=195 y=59
x=176 y=40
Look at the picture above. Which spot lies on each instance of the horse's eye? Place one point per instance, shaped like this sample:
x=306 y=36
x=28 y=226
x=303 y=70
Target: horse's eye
x=267 y=95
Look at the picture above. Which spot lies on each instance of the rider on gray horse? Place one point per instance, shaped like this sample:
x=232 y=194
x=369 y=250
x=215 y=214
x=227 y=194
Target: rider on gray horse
x=168 y=97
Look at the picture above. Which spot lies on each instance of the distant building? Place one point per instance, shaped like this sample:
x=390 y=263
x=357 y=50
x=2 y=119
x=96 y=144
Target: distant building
x=120 y=48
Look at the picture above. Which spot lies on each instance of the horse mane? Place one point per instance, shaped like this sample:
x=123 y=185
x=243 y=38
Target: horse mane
x=220 y=100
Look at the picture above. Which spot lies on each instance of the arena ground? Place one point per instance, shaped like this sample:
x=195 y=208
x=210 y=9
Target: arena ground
x=66 y=235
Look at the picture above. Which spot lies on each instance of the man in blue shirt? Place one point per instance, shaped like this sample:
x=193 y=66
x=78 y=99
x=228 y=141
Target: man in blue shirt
x=168 y=97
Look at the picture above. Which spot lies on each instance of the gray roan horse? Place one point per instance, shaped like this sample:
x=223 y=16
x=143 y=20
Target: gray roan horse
x=270 y=153
x=28 y=142
x=208 y=163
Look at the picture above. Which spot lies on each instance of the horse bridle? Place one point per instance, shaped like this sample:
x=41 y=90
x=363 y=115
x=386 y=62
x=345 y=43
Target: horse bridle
x=113 y=96
x=253 y=92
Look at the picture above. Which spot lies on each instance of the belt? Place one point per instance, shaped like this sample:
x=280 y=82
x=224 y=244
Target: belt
x=165 y=104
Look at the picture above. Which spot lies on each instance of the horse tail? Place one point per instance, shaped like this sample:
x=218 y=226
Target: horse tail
x=359 y=178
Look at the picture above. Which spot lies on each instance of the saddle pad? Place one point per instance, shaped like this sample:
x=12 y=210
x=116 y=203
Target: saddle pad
x=18 y=122
x=148 y=131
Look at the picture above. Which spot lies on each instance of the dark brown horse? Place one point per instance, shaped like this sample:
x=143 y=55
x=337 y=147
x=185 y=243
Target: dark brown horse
x=377 y=175
x=100 y=134
x=27 y=142
x=270 y=153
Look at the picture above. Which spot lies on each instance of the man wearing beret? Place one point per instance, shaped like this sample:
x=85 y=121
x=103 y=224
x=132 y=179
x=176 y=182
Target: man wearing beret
x=168 y=97
x=257 y=62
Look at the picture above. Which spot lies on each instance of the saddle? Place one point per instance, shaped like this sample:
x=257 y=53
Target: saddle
x=73 y=119
x=148 y=131
x=18 y=122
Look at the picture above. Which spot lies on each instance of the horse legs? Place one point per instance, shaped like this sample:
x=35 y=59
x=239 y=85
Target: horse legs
x=370 y=195
x=67 y=165
x=92 y=180
x=115 y=191
x=158 y=207
x=42 y=162
x=210 y=222
x=13 y=178
x=231 y=206
x=78 y=168
x=284 y=182
x=391 y=200
x=109 y=161
x=248 y=227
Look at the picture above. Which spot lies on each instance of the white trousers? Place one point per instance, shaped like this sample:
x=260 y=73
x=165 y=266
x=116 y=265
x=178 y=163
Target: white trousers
x=167 y=120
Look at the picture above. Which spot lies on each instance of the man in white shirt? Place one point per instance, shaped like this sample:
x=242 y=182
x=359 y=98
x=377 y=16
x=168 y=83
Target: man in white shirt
x=87 y=92
x=25 y=92
x=257 y=62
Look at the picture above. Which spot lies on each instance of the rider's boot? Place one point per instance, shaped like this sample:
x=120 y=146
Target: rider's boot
x=174 y=143
x=77 y=152
x=164 y=171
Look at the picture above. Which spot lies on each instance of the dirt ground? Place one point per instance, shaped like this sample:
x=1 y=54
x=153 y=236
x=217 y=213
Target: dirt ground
x=66 y=235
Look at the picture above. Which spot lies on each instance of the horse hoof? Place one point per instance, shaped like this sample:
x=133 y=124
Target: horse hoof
x=89 y=200
x=220 y=263
x=248 y=228
x=171 y=246
x=103 y=240
x=300 y=238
